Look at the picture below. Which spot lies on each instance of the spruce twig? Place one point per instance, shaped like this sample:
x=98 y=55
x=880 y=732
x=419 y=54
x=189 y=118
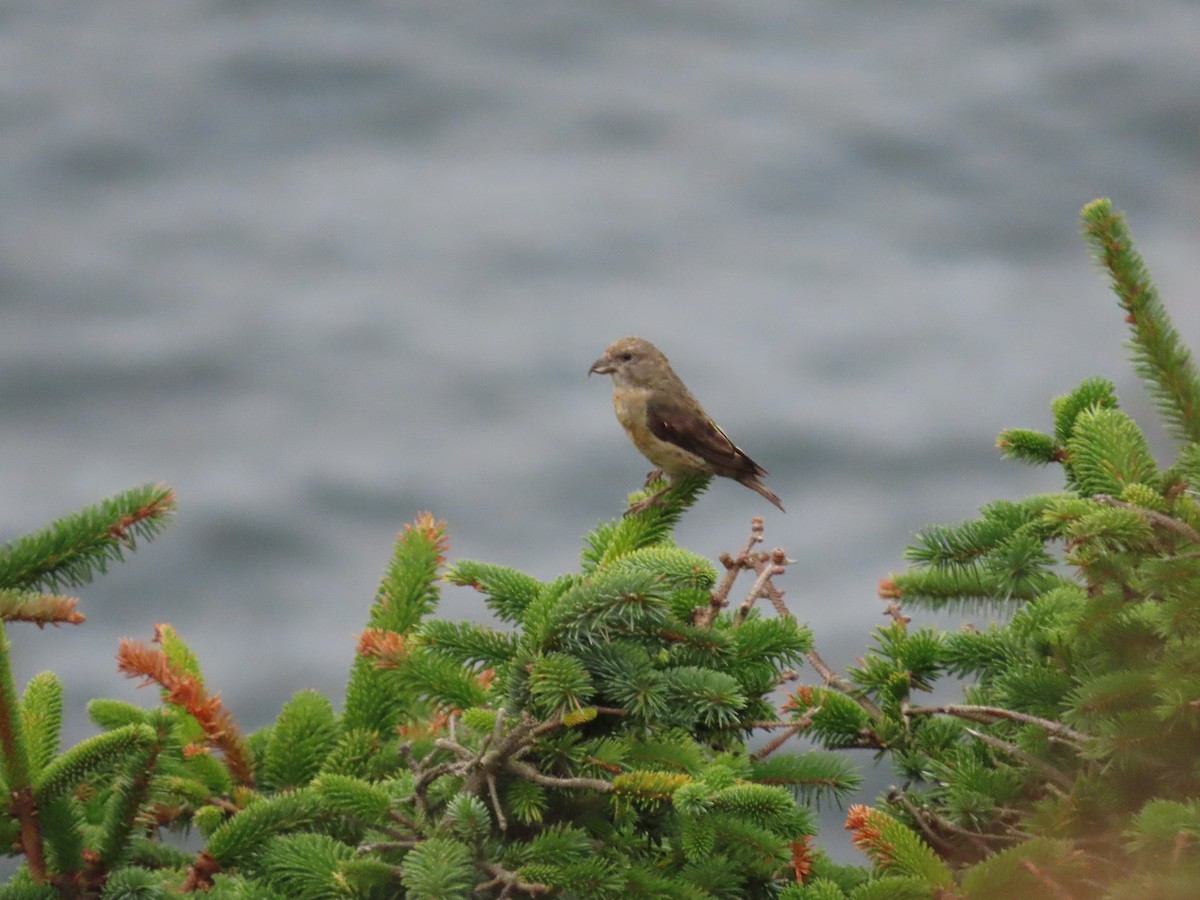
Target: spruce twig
x=14 y=757
x=20 y=605
x=186 y=690
x=71 y=549
x=1159 y=356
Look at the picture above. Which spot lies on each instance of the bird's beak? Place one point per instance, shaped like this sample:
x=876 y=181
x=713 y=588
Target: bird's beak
x=602 y=366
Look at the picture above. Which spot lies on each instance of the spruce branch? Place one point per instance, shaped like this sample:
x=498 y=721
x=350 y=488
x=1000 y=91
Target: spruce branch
x=22 y=605
x=408 y=590
x=186 y=690
x=130 y=794
x=497 y=806
x=894 y=848
x=643 y=527
x=67 y=771
x=506 y=591
x=672 y=494
x=379 y=693
x=1159 y=356
x=14 y=758
x=936 y=828
x=41 y=717
x=239 y=839
x=1033 y=447
x=70 y=550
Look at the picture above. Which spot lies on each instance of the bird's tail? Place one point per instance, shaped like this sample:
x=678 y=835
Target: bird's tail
x=755 y=485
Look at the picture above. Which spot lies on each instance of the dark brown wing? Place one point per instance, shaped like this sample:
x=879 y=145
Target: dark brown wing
x=698 y=434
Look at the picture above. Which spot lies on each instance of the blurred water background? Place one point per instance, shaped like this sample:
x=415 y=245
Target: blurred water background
x=323 y=265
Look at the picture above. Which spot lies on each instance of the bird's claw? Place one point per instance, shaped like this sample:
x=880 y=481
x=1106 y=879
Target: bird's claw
x=655 y=499
x=653 y=475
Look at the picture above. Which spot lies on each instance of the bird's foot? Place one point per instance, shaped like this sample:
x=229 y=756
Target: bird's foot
x=653 y=476
x=655 y=499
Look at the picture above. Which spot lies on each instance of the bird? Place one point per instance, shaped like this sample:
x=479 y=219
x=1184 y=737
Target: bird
x=667 y=424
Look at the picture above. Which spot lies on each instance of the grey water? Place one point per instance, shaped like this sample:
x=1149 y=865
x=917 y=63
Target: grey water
x=323 y=265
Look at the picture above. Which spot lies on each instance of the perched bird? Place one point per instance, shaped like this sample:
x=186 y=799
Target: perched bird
x=665 y=421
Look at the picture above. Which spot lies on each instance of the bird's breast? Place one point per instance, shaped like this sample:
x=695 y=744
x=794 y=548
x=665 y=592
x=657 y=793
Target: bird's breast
x=630 y=406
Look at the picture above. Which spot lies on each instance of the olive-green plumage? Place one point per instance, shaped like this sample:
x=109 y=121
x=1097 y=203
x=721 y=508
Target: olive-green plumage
x=666 y=422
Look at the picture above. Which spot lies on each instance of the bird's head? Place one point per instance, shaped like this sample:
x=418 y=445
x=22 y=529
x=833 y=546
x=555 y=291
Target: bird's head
x=631 y=361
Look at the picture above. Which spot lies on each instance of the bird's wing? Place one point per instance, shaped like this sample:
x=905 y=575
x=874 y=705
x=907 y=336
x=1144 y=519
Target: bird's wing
x=696 y=433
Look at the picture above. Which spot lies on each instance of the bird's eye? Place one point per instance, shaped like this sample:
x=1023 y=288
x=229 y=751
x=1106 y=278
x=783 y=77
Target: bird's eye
x=626 y=357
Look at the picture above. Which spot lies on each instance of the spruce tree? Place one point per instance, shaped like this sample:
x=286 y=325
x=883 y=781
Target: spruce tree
x=1069 y=770
x=594 y=742
x=619 y=730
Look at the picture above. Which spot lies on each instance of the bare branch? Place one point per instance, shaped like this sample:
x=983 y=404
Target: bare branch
x=528 y=772
x=933 y=826
x=1154 y=517
x=762 y=586
x=510 y=880
x=719 y=599
x=1052 y=772
x=833 y=680
x=992 y=713
x=501 y=820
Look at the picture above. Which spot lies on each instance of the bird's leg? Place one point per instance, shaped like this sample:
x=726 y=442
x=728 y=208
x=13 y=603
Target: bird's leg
x=655 y=499
x=652 y=476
